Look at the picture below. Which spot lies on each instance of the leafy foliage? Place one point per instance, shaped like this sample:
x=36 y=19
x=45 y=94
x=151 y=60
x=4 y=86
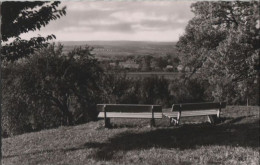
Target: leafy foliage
x=222 y=42
x=154 y=90
x=192 y=90
x=52 y=88
x=117 y=88
x=22 y=17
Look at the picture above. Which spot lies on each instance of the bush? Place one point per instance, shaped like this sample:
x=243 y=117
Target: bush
x=49 y=89
x=154 y=90
x=122 y=90
x=189 y=91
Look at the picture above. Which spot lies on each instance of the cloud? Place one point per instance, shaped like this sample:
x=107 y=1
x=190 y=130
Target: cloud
x=140 y=20
x=146 y=35
x=79 y=29
x=85 y=6
x=135 y=17
x=100 y=22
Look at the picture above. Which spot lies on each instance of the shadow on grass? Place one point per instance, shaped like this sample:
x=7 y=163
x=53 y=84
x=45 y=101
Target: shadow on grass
x=238 y=119
x=183 y=137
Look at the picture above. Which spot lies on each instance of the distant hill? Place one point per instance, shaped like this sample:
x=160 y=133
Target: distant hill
x=122 y=48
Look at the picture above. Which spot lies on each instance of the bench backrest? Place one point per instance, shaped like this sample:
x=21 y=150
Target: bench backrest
x=136 y=108
x=198 y=106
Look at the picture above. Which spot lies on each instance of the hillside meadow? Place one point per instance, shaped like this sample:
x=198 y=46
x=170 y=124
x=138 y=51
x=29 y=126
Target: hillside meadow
x=234 y=141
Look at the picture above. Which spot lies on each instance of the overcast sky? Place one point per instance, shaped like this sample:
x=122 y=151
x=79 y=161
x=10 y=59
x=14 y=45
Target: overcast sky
x=133 y=20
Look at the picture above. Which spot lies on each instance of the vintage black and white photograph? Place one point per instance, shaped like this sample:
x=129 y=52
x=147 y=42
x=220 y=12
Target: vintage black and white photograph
x=134 y=82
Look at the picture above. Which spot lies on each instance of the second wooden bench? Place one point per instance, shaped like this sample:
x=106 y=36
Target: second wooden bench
x=210 y=109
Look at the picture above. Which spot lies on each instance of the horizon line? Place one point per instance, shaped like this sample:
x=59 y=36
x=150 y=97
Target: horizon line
x=111 y=41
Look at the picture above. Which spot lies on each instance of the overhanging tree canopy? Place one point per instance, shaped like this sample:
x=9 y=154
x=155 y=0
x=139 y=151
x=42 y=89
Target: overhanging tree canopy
x=224 y=33
x=222 y=41
x=22 y=17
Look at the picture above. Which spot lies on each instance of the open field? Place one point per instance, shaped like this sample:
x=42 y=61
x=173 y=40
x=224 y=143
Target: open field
x=124 y=48
x=166 y=75
x=234 y=141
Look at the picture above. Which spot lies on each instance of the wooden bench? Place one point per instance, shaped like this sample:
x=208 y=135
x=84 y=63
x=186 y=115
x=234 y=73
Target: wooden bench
x=210 y=109
x=134 y=111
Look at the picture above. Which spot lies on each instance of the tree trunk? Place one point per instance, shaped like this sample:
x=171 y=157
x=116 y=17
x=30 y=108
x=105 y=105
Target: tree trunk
x=64 y=106
x=69 y=118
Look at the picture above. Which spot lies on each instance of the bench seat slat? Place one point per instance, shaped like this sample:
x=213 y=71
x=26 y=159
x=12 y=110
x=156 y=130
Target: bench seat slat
x=199 y=112
x=198 y=106
x=136 y=108
x=130 y=115
x=171 y=114
x=187 y=115
x=191 y=113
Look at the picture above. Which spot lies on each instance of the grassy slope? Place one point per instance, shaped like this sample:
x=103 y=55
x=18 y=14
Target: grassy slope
x=234 y=141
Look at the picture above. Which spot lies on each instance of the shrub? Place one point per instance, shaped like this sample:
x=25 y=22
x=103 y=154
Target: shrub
x=189 y=91
x=122 y=90
x=50 y=89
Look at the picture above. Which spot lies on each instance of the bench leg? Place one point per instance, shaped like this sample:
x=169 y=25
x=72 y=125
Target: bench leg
x=212 y=119
x=178 y=121
x=152 y=123
x=107 y=123
x=173 y=121
x=178 y=118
